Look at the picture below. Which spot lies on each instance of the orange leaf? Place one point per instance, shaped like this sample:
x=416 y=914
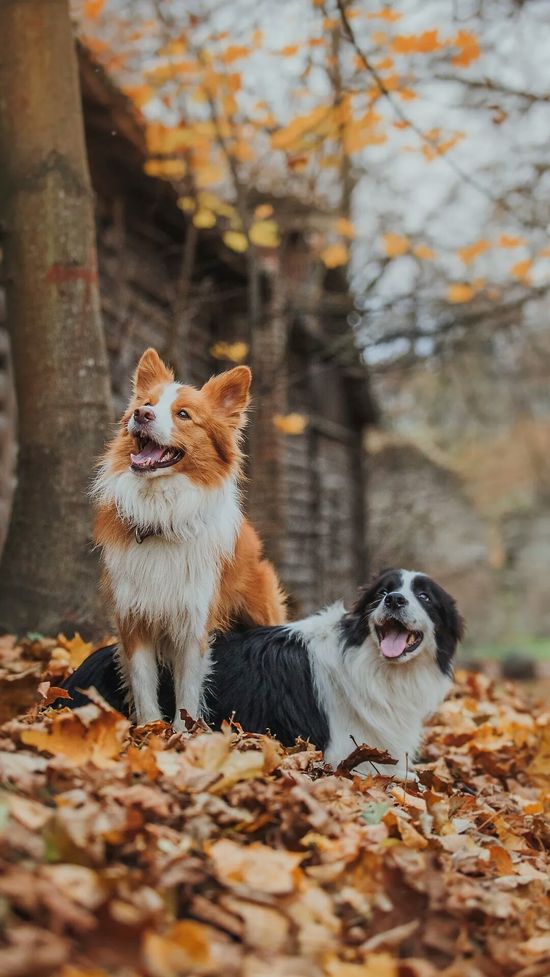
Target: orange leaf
x=522 y=271
x=93 y=734
x=345 y=227
x=385 y=14
x=51 y=692
x=501 y=859
x=395 y=244
x=289 y=50
x=472 y=251
x=460 y=292
x=234 y=52
x=417 y=43
x=93 y=8
x=263 y=211
x=508 y=241
x=335 y=255
x=424 y=252
x=468 y=46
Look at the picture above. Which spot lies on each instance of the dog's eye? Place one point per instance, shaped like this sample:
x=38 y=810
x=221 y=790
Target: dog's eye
x=424 y=596
x=183 y=414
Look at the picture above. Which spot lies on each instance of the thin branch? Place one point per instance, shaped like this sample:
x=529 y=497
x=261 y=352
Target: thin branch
x=455 y=167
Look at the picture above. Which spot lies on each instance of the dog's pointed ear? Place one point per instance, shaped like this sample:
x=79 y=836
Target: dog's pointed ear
x=149 y=371
x=229 y=393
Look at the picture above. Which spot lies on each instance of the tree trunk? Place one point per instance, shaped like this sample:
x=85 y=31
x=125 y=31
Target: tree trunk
x=48 y=575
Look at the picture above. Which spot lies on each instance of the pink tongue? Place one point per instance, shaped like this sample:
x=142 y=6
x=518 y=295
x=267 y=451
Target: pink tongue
x=150 y=453
x=393 y=644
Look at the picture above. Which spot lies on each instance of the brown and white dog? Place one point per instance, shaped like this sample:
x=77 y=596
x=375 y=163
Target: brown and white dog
x=180 y=561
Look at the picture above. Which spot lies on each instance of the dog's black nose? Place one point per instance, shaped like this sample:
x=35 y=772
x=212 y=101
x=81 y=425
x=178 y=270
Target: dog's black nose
x=143 y=414
x=395 y=600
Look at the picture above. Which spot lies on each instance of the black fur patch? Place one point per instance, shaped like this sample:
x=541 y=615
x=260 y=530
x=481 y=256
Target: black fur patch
x=355 y=625
x=449 y=625
x=262 y=677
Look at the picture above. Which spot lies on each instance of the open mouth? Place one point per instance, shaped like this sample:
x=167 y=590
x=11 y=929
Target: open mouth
x=152 y=456
x=395 y=640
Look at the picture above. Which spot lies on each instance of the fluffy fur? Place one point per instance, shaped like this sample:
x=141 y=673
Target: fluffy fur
x=328 y=677
x=179 y=559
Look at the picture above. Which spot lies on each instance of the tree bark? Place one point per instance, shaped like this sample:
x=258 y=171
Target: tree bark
x=48 y=575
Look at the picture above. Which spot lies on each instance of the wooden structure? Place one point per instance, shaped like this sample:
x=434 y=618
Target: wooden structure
x=167 y=285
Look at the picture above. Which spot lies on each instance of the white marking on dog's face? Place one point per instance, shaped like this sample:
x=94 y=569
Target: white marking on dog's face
x=161 y=428
x=402 y=606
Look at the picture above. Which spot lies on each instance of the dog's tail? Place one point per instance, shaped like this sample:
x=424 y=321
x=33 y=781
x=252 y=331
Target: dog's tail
x=100 y=670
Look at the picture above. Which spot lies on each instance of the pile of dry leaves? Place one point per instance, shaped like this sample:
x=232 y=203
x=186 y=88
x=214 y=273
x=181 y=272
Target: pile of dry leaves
x=141 y=852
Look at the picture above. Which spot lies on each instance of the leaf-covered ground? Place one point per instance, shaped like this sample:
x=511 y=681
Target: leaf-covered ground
x=142 y=852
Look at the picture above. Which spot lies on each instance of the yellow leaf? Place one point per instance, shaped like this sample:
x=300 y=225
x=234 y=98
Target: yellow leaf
x=424 y=252
x=460 y=292
x=187 y=204
x=345 y=227
x=335 y=255
x=235 y=240
x=265 y=234
x=204 y=218
x=209 y=174
x=166 y=169
x=262 y=211
x=236 y=352
x=508 y=241
x=91 y=734
x=522 y=271
x=472 y=251
x=395 y=244
x=290 y=423
x=212 y=202
x=77 y=648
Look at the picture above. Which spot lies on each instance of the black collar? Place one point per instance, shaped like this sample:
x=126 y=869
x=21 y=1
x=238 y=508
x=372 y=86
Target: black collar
x=141 y=534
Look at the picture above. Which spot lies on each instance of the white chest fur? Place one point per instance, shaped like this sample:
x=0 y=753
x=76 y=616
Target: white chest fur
x=367 y=699
x=170 y=579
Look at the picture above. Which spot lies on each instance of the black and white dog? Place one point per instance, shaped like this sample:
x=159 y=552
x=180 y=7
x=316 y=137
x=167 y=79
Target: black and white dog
x=370 y=675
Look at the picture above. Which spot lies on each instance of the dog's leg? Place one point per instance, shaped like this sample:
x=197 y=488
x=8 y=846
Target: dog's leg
x=142 y=671
x=190 y=669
